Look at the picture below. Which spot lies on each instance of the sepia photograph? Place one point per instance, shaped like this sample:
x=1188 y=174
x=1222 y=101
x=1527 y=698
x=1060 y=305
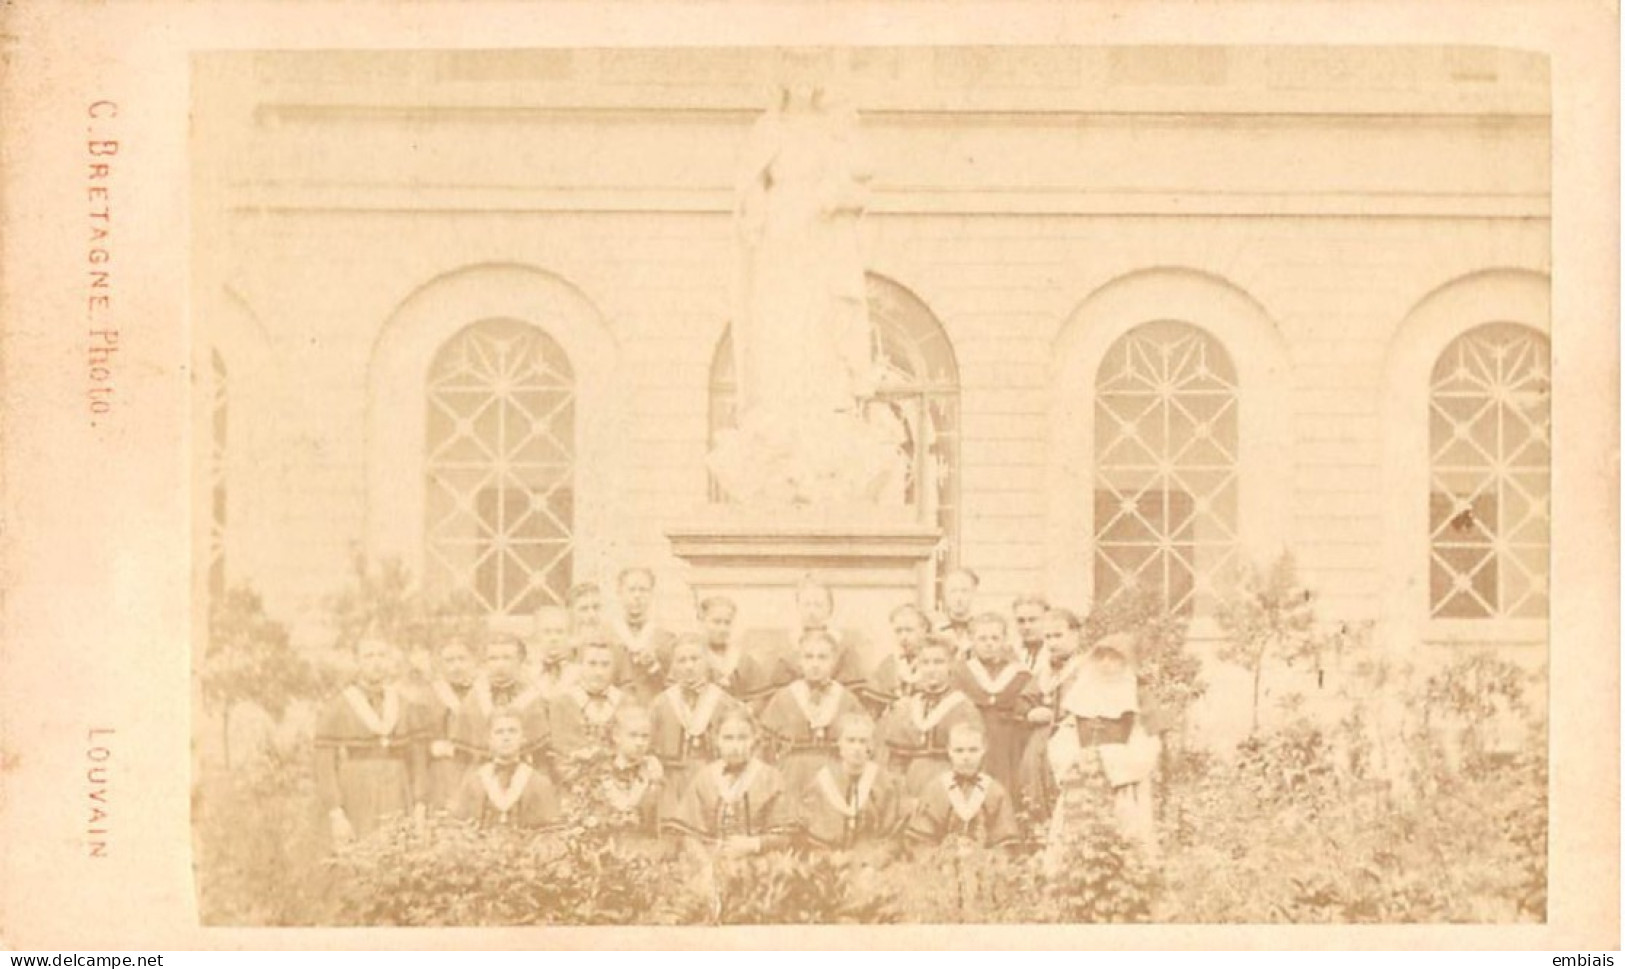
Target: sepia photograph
x=870 y=485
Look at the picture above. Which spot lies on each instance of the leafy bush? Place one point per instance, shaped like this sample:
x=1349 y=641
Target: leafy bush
x=1302 y=827
x=447 y=872
x=1103 y=878
x=382 y=600
x=961 y=883
x=787 y=888
x=260 y=845
x=249 y=659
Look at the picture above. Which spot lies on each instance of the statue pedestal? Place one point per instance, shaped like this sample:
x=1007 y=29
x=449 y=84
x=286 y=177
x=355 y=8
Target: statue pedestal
x=874 y=559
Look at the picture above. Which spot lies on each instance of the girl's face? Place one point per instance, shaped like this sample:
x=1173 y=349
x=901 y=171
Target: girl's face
x=931 y=666
x=855 y=745
x=719 y=625
x=597 y=668
x=965 y=752
x=817 y=662
x=636 y=593
x=1028 y=617
x=815 y=606
x=734 y=742
x=375 y=661
x=632 y=739
x=1060 y=639
x=586 y=612
x=958 y=595
x=908 y=629
x=552 y=627
x=507 y=736
x=988 y=639
x=456 y=663
x=502 y=661
x=688 y=665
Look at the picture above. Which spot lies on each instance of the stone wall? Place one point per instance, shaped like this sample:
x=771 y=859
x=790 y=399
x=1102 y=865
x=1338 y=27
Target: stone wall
x=1331 y=190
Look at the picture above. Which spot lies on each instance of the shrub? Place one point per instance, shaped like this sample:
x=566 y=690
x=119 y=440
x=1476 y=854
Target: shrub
x=1102 y=878
x=249 y=658
x=959 y=882
x=259 y=846
x=383 y=600
x=1298 y=827
x=788 y=888
x=448 y=872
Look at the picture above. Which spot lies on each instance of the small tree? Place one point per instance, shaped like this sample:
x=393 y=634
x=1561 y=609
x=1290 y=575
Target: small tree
x=249 y=657
x=383 y=600
x=1267 y=615
x=1474 y=693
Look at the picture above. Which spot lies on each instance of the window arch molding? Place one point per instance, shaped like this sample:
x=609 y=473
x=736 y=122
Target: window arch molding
x=1263 y=369
x=397 y=398
x=1516 y=296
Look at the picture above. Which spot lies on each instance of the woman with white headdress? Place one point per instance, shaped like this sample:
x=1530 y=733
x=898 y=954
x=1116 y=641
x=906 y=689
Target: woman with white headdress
x=1101 y=754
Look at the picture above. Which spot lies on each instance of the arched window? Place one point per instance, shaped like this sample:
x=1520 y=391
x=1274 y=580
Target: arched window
x=216 y=472
x=1489 y=502
x=500 y=463
x=1166 y=440
x=921 y=387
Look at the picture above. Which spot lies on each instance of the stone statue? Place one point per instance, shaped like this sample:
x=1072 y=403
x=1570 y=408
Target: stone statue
x=804 y=348
x=804 y=339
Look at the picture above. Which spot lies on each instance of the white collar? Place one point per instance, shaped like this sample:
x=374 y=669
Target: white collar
x=965 y=807
x=523 y=694
x=380 y=725
x=585 y=700
x=1051 y=679
x=629 y=796
x=697 y=718
x=822 y=716
x=837 y=798
x=924 y=722
x=990 y=684
x=639 y=642
x=731 y=793
x=503 y=799
x=551 y=685
x=726 y=662
x=446 y=694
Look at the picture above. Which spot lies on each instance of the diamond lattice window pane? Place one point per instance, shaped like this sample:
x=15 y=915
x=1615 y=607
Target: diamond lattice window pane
x=1489 y=507
x=1166 y=436
x=500 y=462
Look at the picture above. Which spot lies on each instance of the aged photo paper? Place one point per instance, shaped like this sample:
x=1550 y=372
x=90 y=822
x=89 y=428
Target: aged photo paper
x=539 y=475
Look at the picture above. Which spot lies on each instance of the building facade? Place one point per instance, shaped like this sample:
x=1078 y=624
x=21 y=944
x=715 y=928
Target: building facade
x=1152 y=312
